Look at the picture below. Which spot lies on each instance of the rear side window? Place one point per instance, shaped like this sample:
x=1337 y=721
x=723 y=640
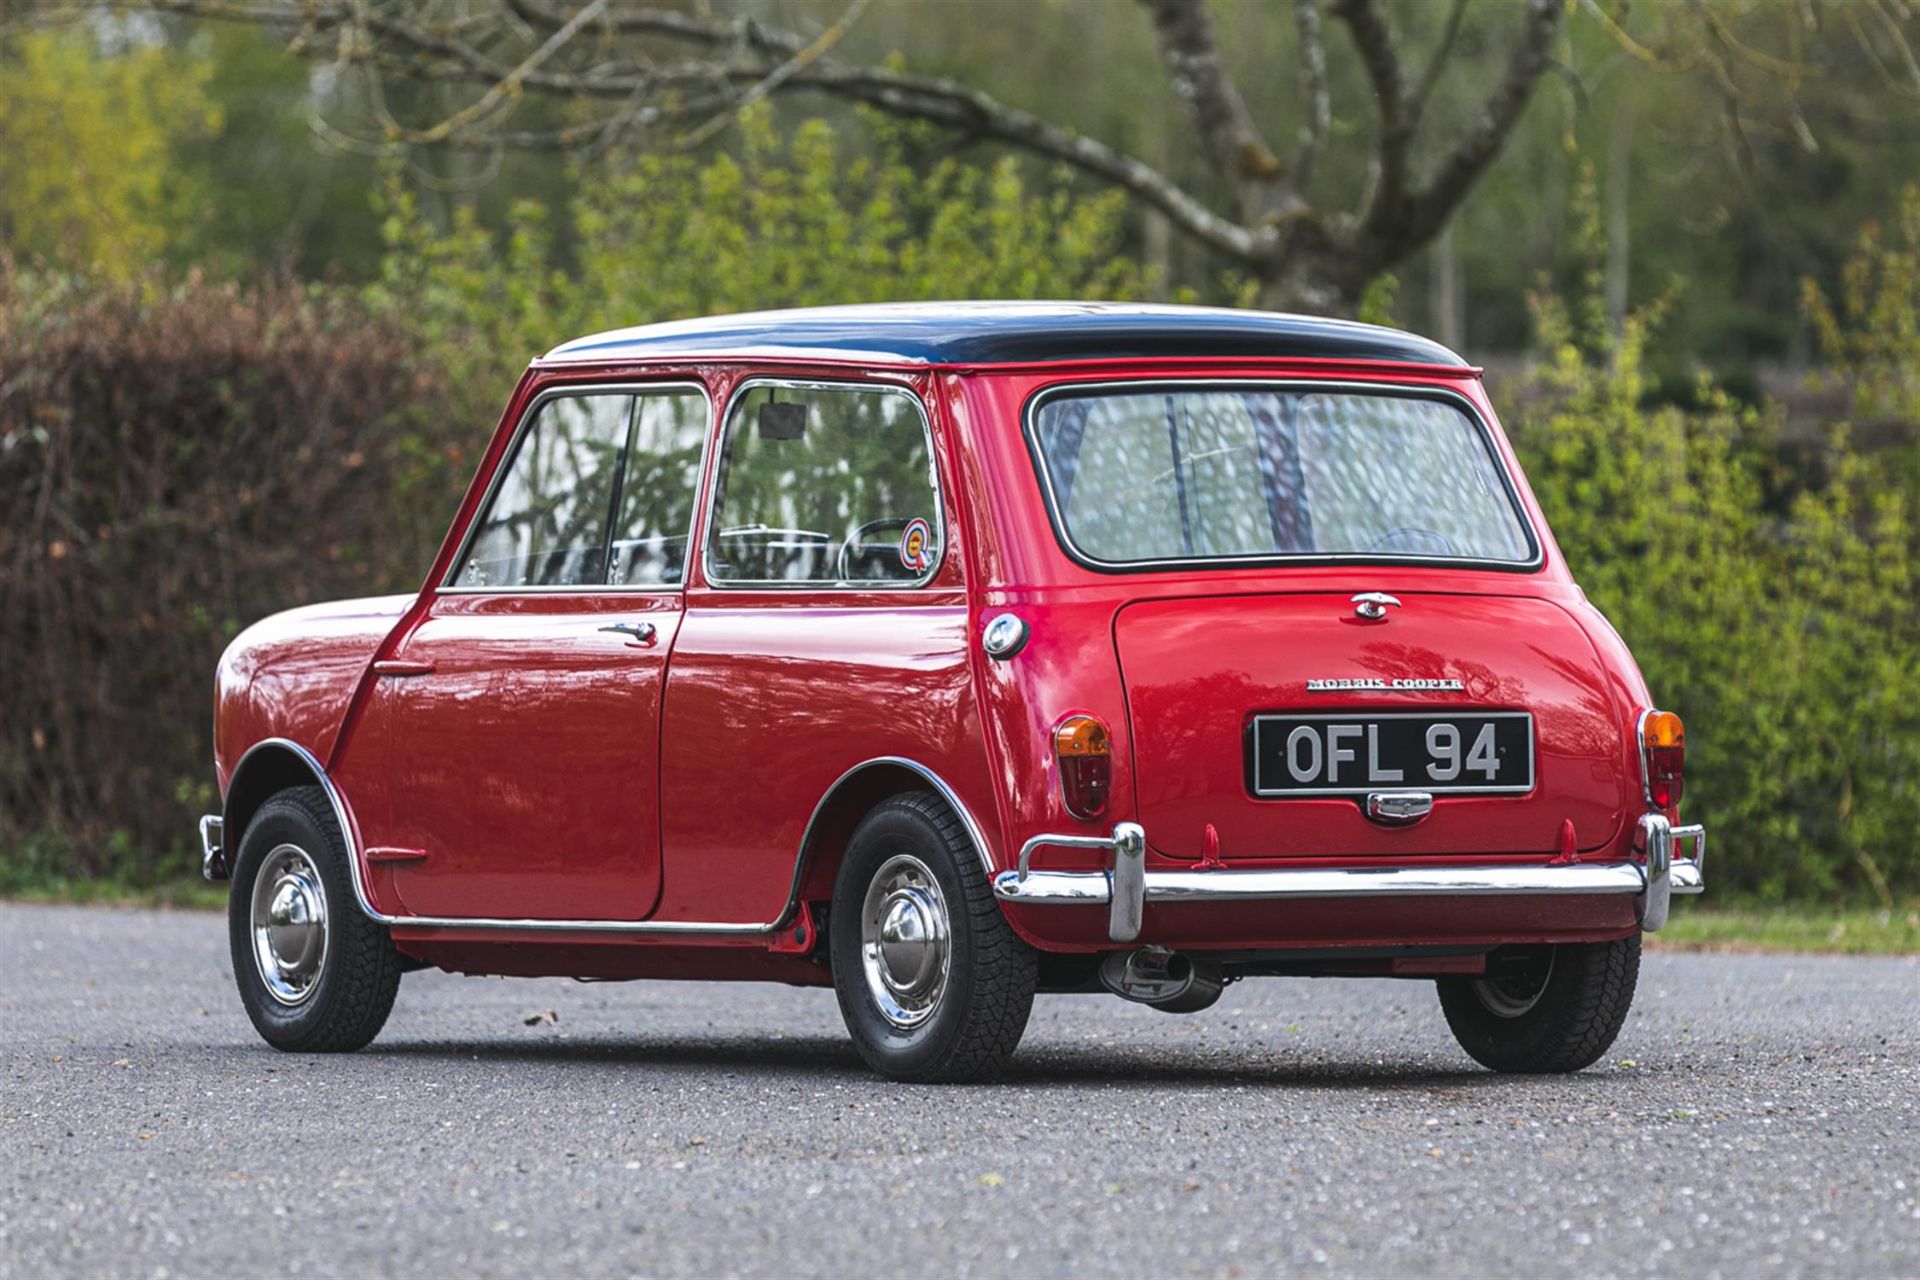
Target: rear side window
x=823 y=484
x=599 y=492
x=1214 y=473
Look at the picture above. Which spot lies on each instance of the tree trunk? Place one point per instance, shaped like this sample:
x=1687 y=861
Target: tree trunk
x=1445 y=303
x=1618 y=217
x=1316 y=282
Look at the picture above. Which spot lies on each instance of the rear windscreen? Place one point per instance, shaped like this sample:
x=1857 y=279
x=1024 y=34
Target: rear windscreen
x=1210 y=473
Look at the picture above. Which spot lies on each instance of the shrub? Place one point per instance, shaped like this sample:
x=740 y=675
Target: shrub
x=784 y=223
x=175 y=464
x=1786 y=638
x=1870 y=335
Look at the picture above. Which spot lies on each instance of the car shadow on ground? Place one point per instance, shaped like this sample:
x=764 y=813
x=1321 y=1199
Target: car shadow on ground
x=1145 y=1066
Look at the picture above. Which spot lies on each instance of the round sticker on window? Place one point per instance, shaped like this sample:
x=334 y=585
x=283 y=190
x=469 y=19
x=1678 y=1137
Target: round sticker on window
x=916 y=545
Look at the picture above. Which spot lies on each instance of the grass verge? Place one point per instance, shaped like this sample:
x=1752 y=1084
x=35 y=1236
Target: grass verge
x=1887 y=931
x=183 y=894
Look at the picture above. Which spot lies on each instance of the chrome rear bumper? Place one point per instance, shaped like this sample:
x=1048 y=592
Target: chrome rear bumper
x=1668 y=860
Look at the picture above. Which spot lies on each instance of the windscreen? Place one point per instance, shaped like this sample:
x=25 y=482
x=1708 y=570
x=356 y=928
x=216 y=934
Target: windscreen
x=1203 y=473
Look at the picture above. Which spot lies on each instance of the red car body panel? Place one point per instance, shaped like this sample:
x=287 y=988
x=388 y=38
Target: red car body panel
x=1196 y=669
x=293 y=676
x=751 y=745
x=501 y=756
x=527 y=700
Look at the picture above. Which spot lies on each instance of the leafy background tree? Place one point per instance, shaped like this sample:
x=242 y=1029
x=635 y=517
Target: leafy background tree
x=87 y=143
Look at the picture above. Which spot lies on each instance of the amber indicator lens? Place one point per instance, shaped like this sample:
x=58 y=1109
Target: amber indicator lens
x=1085 y=749
x=1663 y=739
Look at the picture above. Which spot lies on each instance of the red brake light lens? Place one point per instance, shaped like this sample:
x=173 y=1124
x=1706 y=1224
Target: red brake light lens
x=1084 y=748
x=1663 y=746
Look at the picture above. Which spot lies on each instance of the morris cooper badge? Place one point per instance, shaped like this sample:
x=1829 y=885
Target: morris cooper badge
x=1374 y=684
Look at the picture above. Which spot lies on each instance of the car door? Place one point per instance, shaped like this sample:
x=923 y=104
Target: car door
x=827 y=628
x=518 y=722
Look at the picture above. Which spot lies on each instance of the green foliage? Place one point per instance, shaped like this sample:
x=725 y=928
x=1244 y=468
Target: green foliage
x=86 y=172
x=1785 y=638
x=1376 y=300
x=793 y=222
x=1871 y=336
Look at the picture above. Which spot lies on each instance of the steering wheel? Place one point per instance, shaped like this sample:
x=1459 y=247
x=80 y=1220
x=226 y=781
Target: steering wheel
x=769 y=535
x=843 y=562
x=1438 y=542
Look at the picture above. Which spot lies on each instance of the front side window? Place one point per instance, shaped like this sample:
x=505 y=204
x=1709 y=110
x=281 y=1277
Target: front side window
x=1211 y=473
x=825 y=485
x=599 y=492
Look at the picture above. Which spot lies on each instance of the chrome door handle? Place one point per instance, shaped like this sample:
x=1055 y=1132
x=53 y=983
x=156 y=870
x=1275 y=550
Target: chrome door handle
x=1372 y=604
x=640 y=631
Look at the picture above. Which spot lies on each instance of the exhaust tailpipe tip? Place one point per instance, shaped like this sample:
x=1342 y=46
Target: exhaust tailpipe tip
x=1163 y=979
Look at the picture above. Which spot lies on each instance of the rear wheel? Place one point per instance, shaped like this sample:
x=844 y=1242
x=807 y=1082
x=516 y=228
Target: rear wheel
x=933 y=983
x=315 y=973
x=1542 y=1009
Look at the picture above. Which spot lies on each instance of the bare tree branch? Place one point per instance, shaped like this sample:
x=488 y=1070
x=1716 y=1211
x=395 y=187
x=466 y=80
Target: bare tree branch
x=793 y=66
x=1313 y=83
x=749 y=50
x=1374 y=42
x=635 y=74
x=1191 y=48
x=1488 y=133
x=1438 y=62
x=960 y=106
x=509 y=87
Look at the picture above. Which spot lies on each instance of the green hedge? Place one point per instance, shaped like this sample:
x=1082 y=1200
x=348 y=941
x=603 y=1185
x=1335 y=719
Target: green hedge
x=174 y=463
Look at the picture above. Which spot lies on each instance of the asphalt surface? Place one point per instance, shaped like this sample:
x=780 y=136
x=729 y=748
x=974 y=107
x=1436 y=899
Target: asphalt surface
x=1760 y=1115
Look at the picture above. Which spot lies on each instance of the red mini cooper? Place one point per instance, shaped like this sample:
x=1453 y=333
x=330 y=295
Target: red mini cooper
x=957 y=652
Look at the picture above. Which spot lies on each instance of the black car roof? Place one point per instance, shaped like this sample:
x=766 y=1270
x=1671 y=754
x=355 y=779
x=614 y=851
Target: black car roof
x=980 y=333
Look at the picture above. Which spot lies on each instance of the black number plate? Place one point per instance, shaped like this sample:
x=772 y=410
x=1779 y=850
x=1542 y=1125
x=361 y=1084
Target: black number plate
x=1490 y=752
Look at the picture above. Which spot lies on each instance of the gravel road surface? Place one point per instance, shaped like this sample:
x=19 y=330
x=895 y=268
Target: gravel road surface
x=1760 y=1115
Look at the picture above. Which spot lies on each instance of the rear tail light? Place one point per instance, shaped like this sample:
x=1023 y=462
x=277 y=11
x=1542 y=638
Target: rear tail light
x=1663 y=754
x=1085 y=750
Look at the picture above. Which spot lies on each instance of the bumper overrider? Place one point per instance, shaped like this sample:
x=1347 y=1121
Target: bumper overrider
x=1666 y=860
x=213 y=856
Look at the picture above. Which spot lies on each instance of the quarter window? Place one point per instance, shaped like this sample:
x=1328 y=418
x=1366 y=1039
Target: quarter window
x=825 y=484
x=599 y=492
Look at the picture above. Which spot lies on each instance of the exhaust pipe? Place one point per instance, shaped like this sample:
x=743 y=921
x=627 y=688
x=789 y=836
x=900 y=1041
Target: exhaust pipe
x=1166 y=980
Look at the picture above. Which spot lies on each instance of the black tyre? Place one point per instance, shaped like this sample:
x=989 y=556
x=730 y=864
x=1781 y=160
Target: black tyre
x=315 y=973
x=933 y=983
x=1544 y=1009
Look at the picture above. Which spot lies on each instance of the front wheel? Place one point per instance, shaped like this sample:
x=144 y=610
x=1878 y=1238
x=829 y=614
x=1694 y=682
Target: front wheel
x=1544 y=1009
x=933 y=982
x=315 y=973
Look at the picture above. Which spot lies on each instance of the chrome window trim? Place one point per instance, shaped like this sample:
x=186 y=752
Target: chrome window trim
x=1060 y=390
x=448 y=587
x=1440 y=791
x=357 y=873
x=719 y=437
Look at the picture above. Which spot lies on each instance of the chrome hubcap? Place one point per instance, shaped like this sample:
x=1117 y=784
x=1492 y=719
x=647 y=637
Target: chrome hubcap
x=905 y=942
x=1514 y=984
x=289 y=924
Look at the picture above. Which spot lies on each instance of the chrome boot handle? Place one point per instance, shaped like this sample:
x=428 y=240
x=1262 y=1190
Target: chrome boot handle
x=1372 y=605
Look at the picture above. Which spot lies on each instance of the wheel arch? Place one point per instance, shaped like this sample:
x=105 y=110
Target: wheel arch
x=854 y=795
x=270 y=766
